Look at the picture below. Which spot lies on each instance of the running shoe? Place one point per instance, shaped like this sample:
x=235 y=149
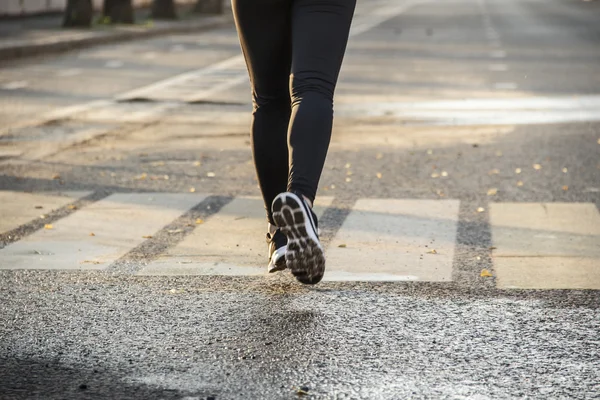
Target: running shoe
x=304 y=255
x=277 y=248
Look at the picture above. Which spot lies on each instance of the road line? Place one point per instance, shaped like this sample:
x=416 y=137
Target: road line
x=395 y=239
x=498 y=54
x=170 y=235
x=35 y=224
x=19 y=208
x=546 y=245
x=99 y=234
x=231 y=242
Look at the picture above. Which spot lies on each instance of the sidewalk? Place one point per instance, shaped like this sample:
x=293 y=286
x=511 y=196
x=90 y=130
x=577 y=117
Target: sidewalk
x=38 y=35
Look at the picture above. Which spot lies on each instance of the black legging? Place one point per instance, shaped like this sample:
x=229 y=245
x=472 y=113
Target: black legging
x=293 y=114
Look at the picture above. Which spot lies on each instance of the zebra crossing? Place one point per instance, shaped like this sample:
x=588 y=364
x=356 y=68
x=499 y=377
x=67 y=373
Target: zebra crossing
x=535 y=245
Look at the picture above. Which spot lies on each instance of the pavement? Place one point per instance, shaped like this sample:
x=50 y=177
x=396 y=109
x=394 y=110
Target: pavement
x=38 y=35
x=459 y=206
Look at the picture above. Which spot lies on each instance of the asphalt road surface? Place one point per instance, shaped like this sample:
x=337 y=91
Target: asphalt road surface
x=459 y=205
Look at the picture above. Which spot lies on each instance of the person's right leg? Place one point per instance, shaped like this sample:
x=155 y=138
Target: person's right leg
x=320 y=30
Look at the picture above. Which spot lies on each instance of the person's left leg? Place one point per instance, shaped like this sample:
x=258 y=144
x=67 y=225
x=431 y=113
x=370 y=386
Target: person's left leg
x=264 y=30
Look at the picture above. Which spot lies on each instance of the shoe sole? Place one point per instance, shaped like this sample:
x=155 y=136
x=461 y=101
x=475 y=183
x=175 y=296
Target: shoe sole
x=304 y=256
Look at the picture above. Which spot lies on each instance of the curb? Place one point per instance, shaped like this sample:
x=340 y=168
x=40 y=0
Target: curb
x=35 y=49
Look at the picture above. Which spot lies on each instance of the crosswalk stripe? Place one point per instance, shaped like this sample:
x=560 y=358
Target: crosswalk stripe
x=395 y=240
x=232 y=242
x=546 y=245
x=99 y=234
x=535 y=245
x=18 y=208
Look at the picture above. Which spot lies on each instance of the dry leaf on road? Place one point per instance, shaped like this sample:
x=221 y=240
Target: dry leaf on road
x=485 y=273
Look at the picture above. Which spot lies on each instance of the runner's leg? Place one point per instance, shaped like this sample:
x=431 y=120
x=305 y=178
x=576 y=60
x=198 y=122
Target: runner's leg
x=264 y=29
x=320 y=30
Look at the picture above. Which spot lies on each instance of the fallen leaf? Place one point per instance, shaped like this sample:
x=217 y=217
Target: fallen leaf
x=565 y=188
x=480 y=209
x=332 y=186
x=158 y=163
x=432 y=251
x=430 y=152
x=444 y=173
x=48 y=226
x=348 y=172
x=347 y=165
x=494 y=172
x=141 y=177
x=90 y=262
x=192 y=190
x=38 y=207
x=147 y=237
x=485 y=273
x=598 y=141
x=210 y=174
x=493 y=248
x=537 y=166
x=520 y=183
x=518 y=171
x=435 y=175
x=72 y=207
x=378 y=175
x=492 y=192
x=348 y=179
x=565 y=170
x=440 y=193
x=56 y=176
x=92 y=234
x=175 y=230
x=166 y=177
x=42 y=216
x=199 y=221
x=343 y=246
x=379 y=156
x=197 y=163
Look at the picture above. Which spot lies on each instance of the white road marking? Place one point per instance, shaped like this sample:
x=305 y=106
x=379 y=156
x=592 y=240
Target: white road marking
x=546 y=245
x=19 y=208
x=498 y=54
x=118 y=224
x=515 y=111
x=15 y=85
x=395 y=239
x=232 y=242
